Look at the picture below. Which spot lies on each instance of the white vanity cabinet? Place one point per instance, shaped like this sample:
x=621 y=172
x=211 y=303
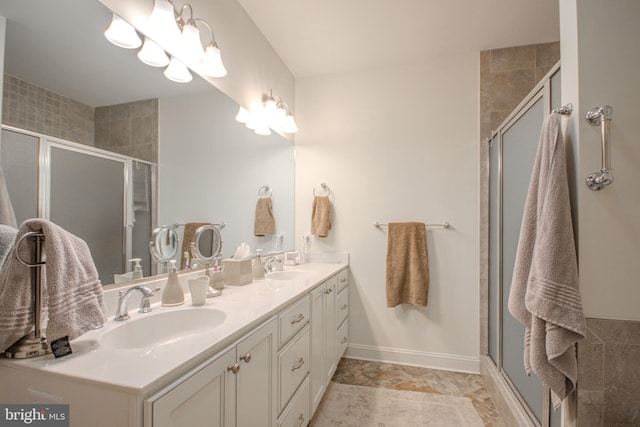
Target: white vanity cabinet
x=234 y=388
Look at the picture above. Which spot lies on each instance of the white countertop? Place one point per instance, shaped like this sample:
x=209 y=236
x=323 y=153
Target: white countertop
x=143 y=370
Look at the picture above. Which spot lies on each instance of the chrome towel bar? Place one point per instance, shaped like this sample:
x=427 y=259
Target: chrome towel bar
x=442 y=225
x=601 y=116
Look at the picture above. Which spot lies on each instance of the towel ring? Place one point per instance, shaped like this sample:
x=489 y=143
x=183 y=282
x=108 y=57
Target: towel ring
x=324 y=187
x=264 y=192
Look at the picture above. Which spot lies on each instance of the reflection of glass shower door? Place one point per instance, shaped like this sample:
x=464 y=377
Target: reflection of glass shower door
x=19 y=160
x=87 y=198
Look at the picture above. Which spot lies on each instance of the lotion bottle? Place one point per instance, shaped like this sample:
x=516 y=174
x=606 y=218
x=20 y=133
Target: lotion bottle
x=137 y=269
x=172 y=293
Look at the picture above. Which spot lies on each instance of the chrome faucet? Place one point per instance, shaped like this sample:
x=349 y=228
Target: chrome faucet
x=268 y=264
x=123 y=301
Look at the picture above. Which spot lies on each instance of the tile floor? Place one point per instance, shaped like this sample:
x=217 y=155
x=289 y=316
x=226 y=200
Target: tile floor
x=398 y=377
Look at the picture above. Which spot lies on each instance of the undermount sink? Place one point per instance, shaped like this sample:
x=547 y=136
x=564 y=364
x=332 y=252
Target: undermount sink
x=290 y=275
x=162 y=328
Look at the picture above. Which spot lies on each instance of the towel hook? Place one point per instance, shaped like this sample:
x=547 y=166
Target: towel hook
x=264 y=191
x=323 y=186
x=601 y=116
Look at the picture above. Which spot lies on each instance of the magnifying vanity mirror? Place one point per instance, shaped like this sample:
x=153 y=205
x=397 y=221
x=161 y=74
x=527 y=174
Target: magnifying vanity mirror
x=172 y=152
x=206 y=245
x=163 y=245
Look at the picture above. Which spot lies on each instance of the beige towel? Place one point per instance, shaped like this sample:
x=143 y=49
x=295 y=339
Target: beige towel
x=321 y=216
x=189 y=230
x=544 y=293
x=7 y=215
x=71 y=293
x=265 y=223
x=407 y=264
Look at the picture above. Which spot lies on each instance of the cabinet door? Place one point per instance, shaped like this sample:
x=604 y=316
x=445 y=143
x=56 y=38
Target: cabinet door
x=331 y=346
x=256 y=379
x=318 y=345
x=201 y=398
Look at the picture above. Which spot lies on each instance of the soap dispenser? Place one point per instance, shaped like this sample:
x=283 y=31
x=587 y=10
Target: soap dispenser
x=172 y=293
x=257 y=268
x=137 y=269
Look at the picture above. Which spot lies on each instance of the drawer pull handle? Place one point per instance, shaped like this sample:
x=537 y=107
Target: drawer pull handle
x=328 y=291
x=301 y=420
x=344 y=340
x=246 y=358
x=235 y=368
x=344 y=307
x=299 y=318
x=344 y=279
x=298 y=364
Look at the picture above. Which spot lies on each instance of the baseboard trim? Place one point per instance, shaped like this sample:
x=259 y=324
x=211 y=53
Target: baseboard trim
x=446 y=362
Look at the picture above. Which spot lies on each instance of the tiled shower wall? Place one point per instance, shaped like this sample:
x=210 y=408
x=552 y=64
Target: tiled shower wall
x=130 y=129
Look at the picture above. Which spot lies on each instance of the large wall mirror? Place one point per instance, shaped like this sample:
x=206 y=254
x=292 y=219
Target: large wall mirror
x=184 y=158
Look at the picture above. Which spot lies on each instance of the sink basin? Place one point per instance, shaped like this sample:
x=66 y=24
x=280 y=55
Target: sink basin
x=290 y=275
x=161 y=328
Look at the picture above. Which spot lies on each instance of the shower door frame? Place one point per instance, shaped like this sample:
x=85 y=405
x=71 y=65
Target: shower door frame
x=542 y=91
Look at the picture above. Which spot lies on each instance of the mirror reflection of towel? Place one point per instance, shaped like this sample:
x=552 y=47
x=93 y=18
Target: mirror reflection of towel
x=265 y=223
x=321 y=216
x=407 y=270
x=189 y=230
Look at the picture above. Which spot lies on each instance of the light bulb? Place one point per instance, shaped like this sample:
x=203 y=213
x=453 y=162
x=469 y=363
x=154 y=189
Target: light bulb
x=152 y=54
x=178 y=72
x=122 y=34
x=212 y=62
x=162 y=23
x=190 y=47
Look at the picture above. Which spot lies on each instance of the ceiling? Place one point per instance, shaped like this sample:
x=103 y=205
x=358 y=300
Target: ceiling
x=320 y=37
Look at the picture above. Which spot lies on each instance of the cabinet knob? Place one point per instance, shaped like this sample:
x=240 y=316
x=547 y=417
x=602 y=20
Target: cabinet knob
x=343 y=307
x=344 y=340
x=246 y=358
x=298 y=364
x=328 y=291
x=299 y=318
x=301 y=420
x=235 y=368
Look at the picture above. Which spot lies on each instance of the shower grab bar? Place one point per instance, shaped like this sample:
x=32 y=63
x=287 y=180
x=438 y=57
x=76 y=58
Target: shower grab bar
x=442 y=225
x=565 y=110
x=601 y=116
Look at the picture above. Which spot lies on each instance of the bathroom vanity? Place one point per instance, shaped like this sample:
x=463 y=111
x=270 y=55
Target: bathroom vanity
x=260 y=355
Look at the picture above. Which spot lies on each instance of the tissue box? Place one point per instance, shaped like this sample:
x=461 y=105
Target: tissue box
x=237 y=272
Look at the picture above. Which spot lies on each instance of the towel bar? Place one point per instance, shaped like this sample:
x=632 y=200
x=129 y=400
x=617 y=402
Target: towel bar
x=442 y=225
x=601 y=116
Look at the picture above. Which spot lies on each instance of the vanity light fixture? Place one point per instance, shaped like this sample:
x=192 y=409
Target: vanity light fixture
x=178 y=35
x=272 y=113
x=122 y=34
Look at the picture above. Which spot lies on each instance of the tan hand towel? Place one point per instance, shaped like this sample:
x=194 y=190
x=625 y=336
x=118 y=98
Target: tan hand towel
x=321 y=216
x=265 y=223
x=544 y=294
x=407 y=264
x=71 y=293
x=189 y=230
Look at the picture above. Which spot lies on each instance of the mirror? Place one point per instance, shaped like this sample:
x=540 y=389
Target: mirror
x=163 y=245
x=209 y=166
x=206 y=245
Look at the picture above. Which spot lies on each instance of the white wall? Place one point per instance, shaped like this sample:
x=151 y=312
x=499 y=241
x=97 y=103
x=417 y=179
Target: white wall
x=253 y=65
x=399 y=144
x=600 y=63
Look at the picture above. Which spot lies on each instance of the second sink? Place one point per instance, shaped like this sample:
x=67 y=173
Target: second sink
x=290 y=275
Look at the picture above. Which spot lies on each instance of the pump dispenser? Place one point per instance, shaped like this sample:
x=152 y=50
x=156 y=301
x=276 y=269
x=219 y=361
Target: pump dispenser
x=257 y=268
x=137 y=269
x=172 y=293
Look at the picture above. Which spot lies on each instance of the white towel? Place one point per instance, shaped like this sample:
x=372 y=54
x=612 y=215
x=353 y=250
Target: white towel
x=71 y=294
x=7 y=215
x=544 y=293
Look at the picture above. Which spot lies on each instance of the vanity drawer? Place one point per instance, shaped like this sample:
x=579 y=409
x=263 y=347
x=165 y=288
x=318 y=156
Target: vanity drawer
x=342 y=306
x=297 y=413
x=342 y=336
x=293 y=364
x=292 y=320
x=343 y=279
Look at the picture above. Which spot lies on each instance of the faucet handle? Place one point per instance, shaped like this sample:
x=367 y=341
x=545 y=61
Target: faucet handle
x=145 y=304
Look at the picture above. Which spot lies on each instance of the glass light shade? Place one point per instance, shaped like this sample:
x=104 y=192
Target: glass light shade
x=212 y=63
x=263 y=130
x=243 y=115
x=190 y=46
x=178 y=72
x=279 y=117
x=162 y=23
x=122 y=34
x=152 y=54
x=289 y=125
